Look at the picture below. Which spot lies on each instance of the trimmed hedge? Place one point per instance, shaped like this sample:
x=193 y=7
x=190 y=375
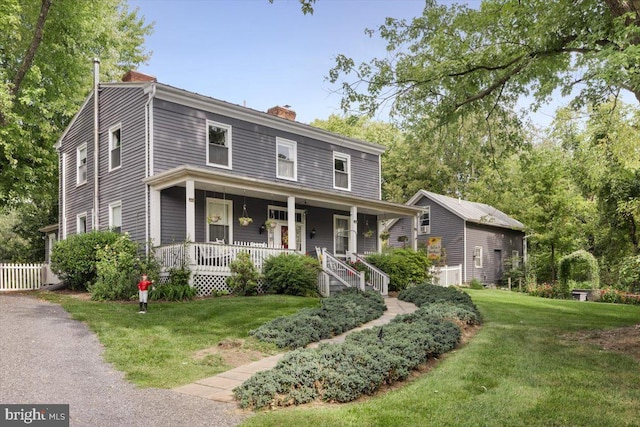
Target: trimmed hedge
x=367 y=360
x=424 y=294
x=291 y=274
x=342 y=312
x=405 y=267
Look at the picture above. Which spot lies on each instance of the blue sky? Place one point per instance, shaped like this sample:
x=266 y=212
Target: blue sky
x=261 y=54
x=258 y=54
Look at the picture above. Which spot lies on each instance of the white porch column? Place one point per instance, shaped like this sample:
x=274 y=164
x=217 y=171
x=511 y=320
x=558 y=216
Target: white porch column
x=353 y=230
x=291 y=223
x=155 y=234
x=191 y=211
x=414 y=232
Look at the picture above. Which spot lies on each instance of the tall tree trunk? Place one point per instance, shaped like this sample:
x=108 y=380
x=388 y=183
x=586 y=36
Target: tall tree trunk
x=553 y=263
x=31 y=53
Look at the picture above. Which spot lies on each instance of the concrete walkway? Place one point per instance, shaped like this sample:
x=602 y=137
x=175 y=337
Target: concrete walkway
x=219 y=387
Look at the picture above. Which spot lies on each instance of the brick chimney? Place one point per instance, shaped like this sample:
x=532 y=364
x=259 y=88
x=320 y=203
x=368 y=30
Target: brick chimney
x=136 y=76
x=283 y=112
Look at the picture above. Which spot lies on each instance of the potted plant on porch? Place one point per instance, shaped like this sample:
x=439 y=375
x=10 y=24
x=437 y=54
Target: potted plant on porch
x=212 y=219
x=270 y=223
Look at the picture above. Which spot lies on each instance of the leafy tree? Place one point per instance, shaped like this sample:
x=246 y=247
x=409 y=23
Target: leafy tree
x=456 y=60
x=46 y=60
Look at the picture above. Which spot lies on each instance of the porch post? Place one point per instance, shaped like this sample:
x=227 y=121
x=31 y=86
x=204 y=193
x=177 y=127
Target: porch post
x=190 y=211
x=291 y=222
x=353 y=230
x=154 y=217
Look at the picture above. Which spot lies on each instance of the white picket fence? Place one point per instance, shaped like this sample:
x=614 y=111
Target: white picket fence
x=20 y=277
x=447 y=275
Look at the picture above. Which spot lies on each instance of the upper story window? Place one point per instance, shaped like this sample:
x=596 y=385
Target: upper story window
x=81 y=223
x=341 y=171
x=425 y=221
x=287 y=159
x=218 y=145
x=115 y=216
x=115 y=147
x=81 y=163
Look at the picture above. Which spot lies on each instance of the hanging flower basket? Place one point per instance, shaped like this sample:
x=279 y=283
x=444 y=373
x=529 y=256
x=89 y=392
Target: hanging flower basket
x=212 y=219
x=384 y=235
x=368 y=234
x=245 y=220
x=270 y=223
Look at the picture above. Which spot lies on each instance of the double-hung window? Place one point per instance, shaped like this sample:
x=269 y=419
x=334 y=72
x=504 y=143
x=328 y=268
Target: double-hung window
x=287 y=158
x=115 y=216
x=425 y=221
x=219 y=220
x=341 y=235
x=341 y=171
x=81 y=163
x=218 y=145
x=115 y=147
x=477 y=257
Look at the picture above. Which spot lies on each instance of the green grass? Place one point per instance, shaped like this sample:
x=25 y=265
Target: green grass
x=517 y=371
x=156 y=349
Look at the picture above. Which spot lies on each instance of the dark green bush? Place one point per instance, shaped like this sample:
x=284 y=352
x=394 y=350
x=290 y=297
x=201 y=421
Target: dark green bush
x=74 y=259
x=291 y=274
x=338 y=314
x=405 y=267
x=244 y=275
x=171 y=291
x=424 y=294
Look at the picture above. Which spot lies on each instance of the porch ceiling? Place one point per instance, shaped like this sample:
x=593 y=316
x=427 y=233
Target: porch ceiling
x=220 y=181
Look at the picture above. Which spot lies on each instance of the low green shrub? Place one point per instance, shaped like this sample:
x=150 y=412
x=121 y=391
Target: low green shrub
x=476 y=284
x=171 y=291
x=74 y=259
x=291 y=274
x=361 y=365
x=405 y=267
x=424 y=294
x=244 y=275
x=342 y=312
x=619 y=297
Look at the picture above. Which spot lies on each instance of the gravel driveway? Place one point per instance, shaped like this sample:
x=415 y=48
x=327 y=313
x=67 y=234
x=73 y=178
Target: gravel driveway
x=46 y=357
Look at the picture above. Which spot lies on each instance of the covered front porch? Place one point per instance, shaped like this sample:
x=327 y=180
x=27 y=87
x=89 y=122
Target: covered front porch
x=209 y=209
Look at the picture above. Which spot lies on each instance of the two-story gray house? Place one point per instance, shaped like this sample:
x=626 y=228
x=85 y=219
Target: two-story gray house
x=477 y=236
x=168 y=166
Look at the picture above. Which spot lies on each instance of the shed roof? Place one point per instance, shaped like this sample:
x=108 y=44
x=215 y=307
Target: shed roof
x=479 y=213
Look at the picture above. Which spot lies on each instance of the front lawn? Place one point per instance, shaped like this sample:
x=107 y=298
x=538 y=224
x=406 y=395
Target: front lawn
x=159 y=348
x=528 y=366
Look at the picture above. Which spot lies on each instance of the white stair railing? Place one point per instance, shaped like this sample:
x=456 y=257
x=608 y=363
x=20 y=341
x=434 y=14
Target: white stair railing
x=341 y=271
x=378 y=279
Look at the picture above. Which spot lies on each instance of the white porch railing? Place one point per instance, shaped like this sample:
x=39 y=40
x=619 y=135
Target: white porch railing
x=20 y=277
x=342 y=272
x=214 y=257
x=447 y=275
x=378 y=279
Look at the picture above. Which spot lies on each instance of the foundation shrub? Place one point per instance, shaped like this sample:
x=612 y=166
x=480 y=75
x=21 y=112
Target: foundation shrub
x=405 y=267
x=338 y=314
x=244 y=275
x=74 y=258
x=291 y=274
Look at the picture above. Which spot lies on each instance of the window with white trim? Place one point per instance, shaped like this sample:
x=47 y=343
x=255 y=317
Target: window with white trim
x=287 y=158
x=81 y=223
x=477 y=256
x=425 y=221
x=515 y=259
x=115 y=147
x=218 y=144
x=341 y=171
x=115 y=217
x=219 y=220
x=81 y=164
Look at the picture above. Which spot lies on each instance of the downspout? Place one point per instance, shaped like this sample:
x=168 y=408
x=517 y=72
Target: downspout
x=96 y=146
x=464 y=249
x=148 y=143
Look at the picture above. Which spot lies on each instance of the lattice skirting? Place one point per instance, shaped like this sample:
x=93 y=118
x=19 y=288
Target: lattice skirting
x=212 y=283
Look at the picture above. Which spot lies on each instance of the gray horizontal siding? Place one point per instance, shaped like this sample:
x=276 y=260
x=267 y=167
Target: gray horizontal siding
x=124 y=106
x=182 y=130
x=492 y=240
